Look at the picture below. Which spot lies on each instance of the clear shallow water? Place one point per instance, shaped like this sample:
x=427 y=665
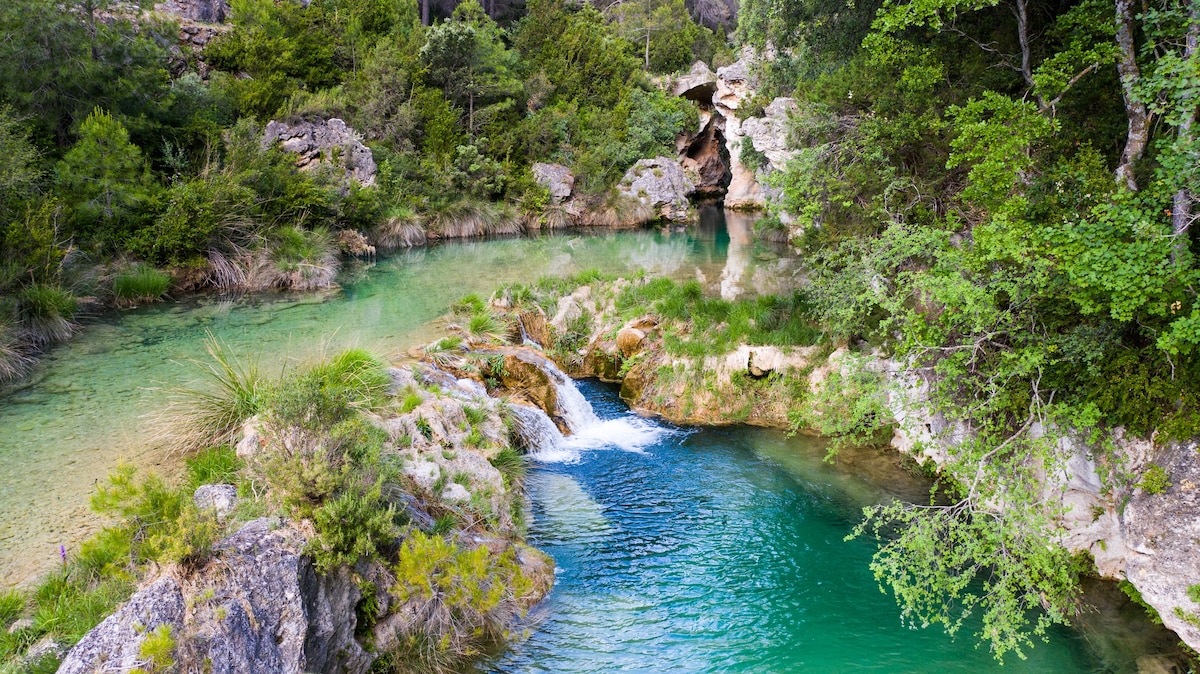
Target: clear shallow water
x=84 y=410
x=722 y=551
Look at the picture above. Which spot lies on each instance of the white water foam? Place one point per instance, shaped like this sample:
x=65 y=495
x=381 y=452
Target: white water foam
x=546 y=444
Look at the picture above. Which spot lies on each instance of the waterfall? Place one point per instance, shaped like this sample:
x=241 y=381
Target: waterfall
x=576 y=411
x=545 y=443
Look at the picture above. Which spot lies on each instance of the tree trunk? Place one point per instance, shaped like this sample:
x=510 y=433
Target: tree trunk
x=1181 y=211
x=1022 y=13
x=1139 y=118
x=647 y=49
x=424 y=12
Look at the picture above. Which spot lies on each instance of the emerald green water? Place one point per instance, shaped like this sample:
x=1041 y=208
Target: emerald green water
x=711 y=551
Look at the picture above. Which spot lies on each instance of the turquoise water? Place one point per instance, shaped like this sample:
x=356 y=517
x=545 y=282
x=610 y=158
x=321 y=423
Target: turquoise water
x=86 y=408
x=722 y=550
x=717 y=550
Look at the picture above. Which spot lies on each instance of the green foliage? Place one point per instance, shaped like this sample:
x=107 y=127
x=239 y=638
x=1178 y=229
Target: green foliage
x=215 y=465
x=716 y=326
x=850 y=407
x=106 y=180
x=140 y=283
x=474 y=591
x=1136 y=597
x=945 y=563
x=214 y=415
x=45 y=312
x=157 y=652
x=349 y=526
x=513 y=466
x=1155 y=480
x=196 y=215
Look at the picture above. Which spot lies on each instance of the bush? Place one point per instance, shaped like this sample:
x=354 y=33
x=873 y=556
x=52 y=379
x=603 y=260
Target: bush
x=140 y=283
x=45 y=312
x=1155 y=480
x=474 y=595
x=200 y=418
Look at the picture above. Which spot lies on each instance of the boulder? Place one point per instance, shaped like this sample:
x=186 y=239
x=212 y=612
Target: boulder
x=219 y=498
x=699 y=84
x=629 y=341
x=324 y=141
x=661 y=185
x=115 y=644
x=258 y=606
x=556 y=178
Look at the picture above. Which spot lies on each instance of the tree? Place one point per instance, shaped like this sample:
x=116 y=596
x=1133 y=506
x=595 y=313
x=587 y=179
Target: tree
x=467 y=58
x=58 y=62
x=106 y=180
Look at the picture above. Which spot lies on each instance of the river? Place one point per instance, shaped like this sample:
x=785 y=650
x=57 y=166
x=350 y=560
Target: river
x=714 y=550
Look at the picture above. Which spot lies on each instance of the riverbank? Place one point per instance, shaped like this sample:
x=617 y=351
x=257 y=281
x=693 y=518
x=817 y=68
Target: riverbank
x=86 y=407
x=688 y=358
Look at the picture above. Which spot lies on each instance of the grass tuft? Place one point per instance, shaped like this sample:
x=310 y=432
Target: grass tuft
x=200 y=418
x=139 y=284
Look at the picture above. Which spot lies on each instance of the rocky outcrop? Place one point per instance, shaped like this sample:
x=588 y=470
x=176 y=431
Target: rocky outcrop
x=258 y=602
x=324 y=142
x=1150 y=539
x=202 y=11
x=661 y=185
x=115 y=644
x=556 y=178
x=761 y=137
x=699 y=84
x=257 y=606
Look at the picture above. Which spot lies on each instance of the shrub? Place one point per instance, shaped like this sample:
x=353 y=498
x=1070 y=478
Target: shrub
x=303 y=259
x=205 y=417
x=513 y=466
x=157 y=651
x=471 y=595
x=45 y=312
x=14 y=361
x=351 y=525
x=140 y=283
x=1155 y=480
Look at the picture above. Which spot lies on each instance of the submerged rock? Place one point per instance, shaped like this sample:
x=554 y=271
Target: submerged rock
x=661 y=185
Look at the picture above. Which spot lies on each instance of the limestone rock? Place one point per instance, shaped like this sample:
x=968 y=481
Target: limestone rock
x=629 y=341
x=116 y=642
x=698 y=85
x=328 y=141
x=203 y=11
x=1162 y=533
x=660 y=184
x=220 y=498
x=260 y=606
x=557 y=178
